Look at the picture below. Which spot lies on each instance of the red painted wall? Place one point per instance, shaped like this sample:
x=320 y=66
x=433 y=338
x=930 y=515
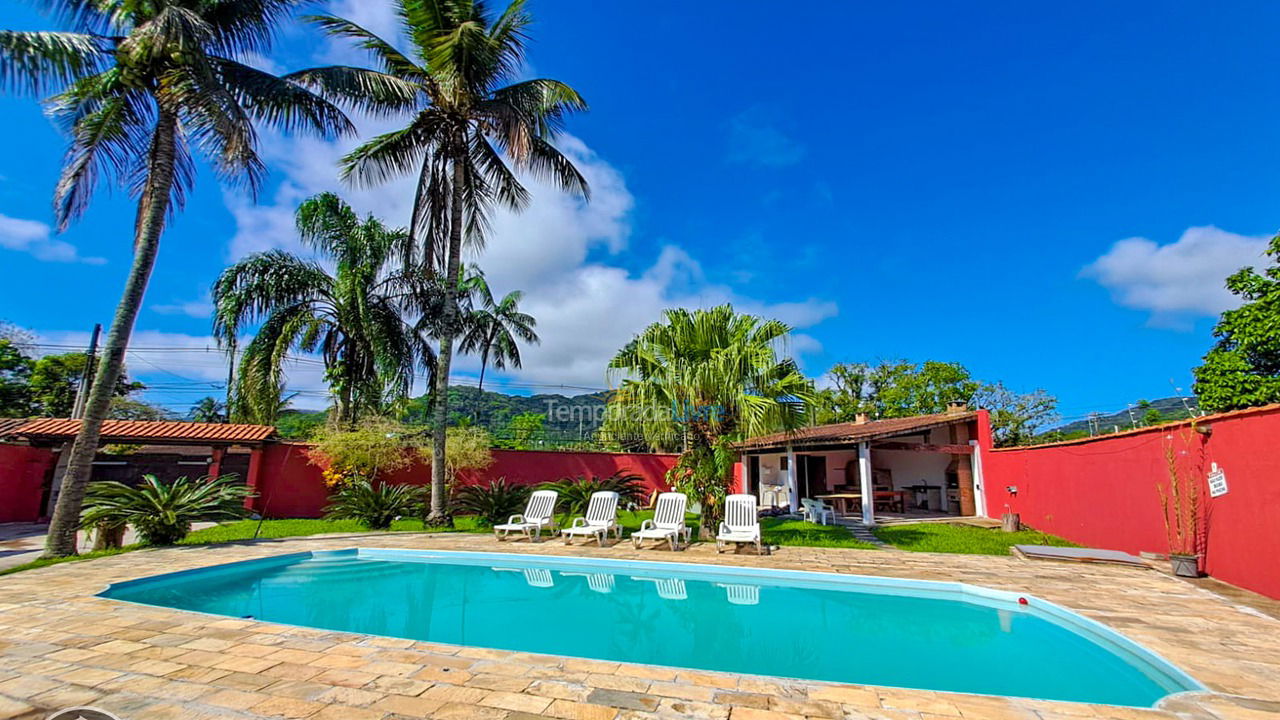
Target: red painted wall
x=289 y=485
x=1102 y=492
x=23 y=471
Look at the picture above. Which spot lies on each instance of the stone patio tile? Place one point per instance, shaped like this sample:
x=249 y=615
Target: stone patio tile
x=349 y=696
x=408 y=706
x=464 y=711
x=12 y=708
x=235 y=699
x=292 y=671
x=504 y=683
x=611 y=681
x=570 y=710
x=739 y=699
x=397 y=685
x=623 y=700
x=455 y=694
x=88 y=676
x=287 y=707
x=346 y=712
x=66 y=696
x=345 y=678
x=517 y=702
x=685 y=692
x=27 y=686
x=435 y=674
x=747 y=713
x=706 y=679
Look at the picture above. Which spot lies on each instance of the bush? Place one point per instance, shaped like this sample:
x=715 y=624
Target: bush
x=372 y=446
x=575 y=493
x=493 y=503
x=161 y=512
x=374 y=505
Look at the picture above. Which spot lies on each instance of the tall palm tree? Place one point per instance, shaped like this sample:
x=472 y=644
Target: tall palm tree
x=702 y=379
x=473 y=125
x=138 y=85
x=354 y=316
x=492 y=330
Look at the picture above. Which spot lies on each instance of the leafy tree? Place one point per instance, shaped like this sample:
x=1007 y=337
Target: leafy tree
x=123 y=408
x=492 y=330
x=352 y=317
x=55 y=380
x=1016 y=418
x=1243 y=368
x=467 y=449
x=208 y=410
x=372 y=446
x=893 y=389
x=474 y=123
x=138 y=85
x=701 y=379
x=523 y=430
x=15 y=380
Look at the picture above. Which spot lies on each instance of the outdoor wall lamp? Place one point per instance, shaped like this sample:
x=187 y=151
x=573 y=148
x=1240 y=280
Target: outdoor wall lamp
x=1011 y=489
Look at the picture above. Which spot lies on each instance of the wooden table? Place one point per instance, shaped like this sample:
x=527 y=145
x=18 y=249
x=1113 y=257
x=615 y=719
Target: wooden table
x=842 y=499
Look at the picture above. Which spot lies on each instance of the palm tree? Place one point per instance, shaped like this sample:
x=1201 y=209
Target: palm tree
x=702 y=379
x=474 y=124
x=208 y=410
x=352 y=317
x=138 y=84
x=492 y=330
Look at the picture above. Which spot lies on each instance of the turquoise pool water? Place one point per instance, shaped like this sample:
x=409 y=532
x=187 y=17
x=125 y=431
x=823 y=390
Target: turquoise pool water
x=878 y=631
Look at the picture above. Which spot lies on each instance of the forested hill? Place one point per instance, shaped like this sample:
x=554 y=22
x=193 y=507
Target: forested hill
x=1152 y=413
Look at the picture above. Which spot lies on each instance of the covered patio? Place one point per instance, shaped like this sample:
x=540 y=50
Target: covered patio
x=919 y=467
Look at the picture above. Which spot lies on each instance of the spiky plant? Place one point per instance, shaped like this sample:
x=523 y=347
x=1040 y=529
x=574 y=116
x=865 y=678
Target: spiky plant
x=139 y=86
x=492 y=502
x=375 y=505
x=574 y=493
x=474 y=124
x=162 y=512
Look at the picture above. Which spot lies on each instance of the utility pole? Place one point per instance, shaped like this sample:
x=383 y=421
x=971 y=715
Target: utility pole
x=86 y=378
x=1132 y=422
x=231 y=373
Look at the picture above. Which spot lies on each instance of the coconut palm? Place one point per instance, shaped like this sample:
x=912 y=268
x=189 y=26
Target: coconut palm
x=354 y=316
x=492 y=330
x=473 y=125
x=702 y=379
x=139 y=85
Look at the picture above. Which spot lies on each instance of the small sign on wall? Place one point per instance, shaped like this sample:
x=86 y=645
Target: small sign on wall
x=1217 y=481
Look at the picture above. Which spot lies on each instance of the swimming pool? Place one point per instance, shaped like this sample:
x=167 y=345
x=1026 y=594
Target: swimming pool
x=815 y=626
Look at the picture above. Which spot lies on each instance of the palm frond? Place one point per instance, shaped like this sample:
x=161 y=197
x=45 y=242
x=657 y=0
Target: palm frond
x=35 y=63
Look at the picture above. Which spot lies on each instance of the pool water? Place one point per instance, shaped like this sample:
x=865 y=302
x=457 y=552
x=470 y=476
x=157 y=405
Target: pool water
x=903 y=633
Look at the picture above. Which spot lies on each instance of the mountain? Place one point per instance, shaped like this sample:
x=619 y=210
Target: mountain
x=1152 y=413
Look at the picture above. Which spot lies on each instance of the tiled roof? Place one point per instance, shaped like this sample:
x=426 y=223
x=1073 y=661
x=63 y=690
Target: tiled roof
x=8 y=425
x=121 y=431
x=854 y=432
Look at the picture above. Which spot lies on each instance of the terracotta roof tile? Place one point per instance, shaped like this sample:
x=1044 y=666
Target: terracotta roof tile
x=120 y=431
x=8 y=425
x=854 y=432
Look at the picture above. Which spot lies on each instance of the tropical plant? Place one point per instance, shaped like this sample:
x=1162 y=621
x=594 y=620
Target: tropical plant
x=474 y=124
x=15 y=379
x=376 y=505
x=703 y=377
x=493 y=502
x=1243 y=368
x=372 y=446
x=55 y=380
x=352 y=317
x=208 y=410
x=138 y=85
x=492 y=330
x=467 y=448
x=162 y=512
x=574 y=493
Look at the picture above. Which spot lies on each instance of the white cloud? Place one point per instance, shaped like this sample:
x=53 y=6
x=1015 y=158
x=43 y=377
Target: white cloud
x=1178 y=281
x=202 y=308
x=756 y=139
x=36 y=238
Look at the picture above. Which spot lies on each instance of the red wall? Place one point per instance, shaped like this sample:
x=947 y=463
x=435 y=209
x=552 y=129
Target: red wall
x=289 y=485
x=1102 y=492
x=23 y=471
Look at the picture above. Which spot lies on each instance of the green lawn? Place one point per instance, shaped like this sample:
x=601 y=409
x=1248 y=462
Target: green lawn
x=777 y=531
x=963 y=539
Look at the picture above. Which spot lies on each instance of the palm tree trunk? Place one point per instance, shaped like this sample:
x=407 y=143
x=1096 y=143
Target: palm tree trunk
x=484 y=360
x=153 y=207
x=444 y=359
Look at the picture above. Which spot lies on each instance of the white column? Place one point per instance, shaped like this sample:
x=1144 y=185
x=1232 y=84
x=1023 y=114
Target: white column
x=793 y=491
x=979 y=488
x=868 y=488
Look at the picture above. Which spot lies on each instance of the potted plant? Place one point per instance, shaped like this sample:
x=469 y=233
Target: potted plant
x=1180 y=510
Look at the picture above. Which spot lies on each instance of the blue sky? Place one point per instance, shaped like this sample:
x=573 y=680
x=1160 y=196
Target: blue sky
x=1049 y=194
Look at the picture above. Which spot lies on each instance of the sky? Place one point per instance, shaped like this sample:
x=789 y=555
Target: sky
x=1049 y=194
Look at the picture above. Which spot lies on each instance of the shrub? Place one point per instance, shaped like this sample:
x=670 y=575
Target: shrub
x=161 y=512
x=492 y=503
x=374 y=505
x=373 y=445
x=575 y=493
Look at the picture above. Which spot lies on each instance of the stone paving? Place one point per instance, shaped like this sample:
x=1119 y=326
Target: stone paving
x=60 y=647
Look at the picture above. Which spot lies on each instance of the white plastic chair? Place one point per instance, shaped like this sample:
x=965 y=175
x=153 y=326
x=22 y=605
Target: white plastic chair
x=741 y=594
x=597 y=582
x=538 y=513
x=535 y=577
x=668 y=588
x=601 y=518
x=667 y=522
x=816 y=511
x=741 y=524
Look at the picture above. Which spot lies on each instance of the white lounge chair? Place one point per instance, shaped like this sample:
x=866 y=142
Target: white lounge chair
x=667 y=522
x=597 y=582
x=539 y=513
x=668 y=588
x=601 y=519
x=535 y=577
x=816 y=511
x=741 y=524
x=741 y=594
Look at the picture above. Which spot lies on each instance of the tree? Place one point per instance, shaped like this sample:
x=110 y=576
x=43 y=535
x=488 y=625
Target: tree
x=1016 y=418
x=1243 y=368
x=123 y=408
x=523 y=430
x=55 y=380
x=15 y=380
x=362 y=450
x=473 y=126
x=140 y=84
x=492 y=330
x=701 y=379
x=352 y=317
x=208 y=410
x=893 y=389
x=468 y=448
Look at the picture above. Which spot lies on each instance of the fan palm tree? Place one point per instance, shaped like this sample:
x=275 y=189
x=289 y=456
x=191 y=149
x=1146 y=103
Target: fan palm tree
x=354 y=316
x=139 y=84
x=492 y=330
x=704 y=378
x=473 y=125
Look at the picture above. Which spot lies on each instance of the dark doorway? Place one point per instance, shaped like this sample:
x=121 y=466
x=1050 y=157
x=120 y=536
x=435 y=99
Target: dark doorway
x=753 y=474
x=811 y=475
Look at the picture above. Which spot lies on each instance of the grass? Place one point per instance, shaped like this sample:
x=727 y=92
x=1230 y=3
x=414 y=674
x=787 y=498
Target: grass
x=241 y=530
x=778 y=531
x=962 y=539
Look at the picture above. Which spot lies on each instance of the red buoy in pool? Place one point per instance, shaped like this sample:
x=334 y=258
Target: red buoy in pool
x=1022 y=601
